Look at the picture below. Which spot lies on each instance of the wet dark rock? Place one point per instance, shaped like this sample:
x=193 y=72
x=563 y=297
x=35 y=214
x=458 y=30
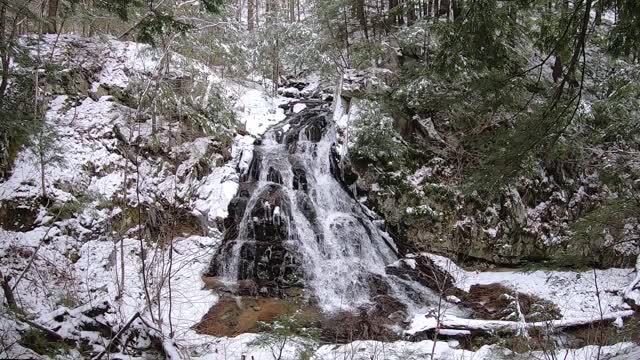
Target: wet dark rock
x=300 y=178
x=274 y=176
x=253 y=174
x=270 y=216
x=424 y=271
x=345 y=327
x=291 y=139
x=270 y=268
x=266 y=265
x=305 y=205
x=311 y=122
x=342 y=170
x=309 y=212
x=377 y=285
x=236 y=211
x=316 y=128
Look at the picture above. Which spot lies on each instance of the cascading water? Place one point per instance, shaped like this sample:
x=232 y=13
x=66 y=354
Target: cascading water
x=294 y=230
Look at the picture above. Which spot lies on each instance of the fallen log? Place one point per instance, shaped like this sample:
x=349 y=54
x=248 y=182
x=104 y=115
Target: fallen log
x=626 y=292
x=456 y=323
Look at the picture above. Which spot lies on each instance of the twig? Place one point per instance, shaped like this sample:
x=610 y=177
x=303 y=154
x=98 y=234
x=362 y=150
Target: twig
x=117 y=336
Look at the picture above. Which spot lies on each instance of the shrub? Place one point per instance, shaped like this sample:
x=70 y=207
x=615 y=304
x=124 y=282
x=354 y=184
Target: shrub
x=42 y=343
x=376 y=140
x=289 y=329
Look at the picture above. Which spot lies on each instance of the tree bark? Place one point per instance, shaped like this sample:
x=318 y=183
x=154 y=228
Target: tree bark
x=392 y=9
x=411 y=13
x=52 y=14
x=8 y=293
x=250 y=14
x=362 y=17
x=257 y=13
x=292 y=10
x=580 y=41
x=599 y=9
x=5 y=49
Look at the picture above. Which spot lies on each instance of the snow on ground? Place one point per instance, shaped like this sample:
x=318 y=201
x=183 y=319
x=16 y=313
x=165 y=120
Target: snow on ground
x=221 y=185
x=258 y=111
x=243 y=346
x=48 y=283
x=78 y=261
x=81 y=140
x=99 y=279
x=573 y=292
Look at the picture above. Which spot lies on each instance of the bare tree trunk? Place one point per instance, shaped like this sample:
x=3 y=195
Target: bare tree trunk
x=599 y=334
x=346 y=35
x=52 y=13
x=392 y=9
x=5 y=47
x=143 y=254
x=250 y=14
x=36 y=115
x=376 y=19
x=257 y=13
x=411 y=13
x=599 y=9
x=292 y=10
x=8 y=293
x=362 y=17
x=4 y=50
x=580 y=41
x=239 y=10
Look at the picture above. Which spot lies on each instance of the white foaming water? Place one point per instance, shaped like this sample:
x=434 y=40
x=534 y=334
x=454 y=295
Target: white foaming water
x=342 y=252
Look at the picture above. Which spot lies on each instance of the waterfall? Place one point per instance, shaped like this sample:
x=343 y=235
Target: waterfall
x=294 y=230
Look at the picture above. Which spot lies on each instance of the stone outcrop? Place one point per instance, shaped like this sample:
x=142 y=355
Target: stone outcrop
x=267 y=266
x=427 y=209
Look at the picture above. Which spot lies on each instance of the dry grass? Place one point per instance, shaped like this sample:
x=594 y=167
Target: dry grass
x=497 y=302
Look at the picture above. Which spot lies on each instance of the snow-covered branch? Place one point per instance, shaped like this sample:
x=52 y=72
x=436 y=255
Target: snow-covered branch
x=456 y=323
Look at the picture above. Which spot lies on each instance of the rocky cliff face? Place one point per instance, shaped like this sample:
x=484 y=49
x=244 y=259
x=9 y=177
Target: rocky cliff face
x=427 y=209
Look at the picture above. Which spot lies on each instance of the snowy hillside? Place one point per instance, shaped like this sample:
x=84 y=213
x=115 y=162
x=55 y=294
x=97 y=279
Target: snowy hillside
x=320 y=180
